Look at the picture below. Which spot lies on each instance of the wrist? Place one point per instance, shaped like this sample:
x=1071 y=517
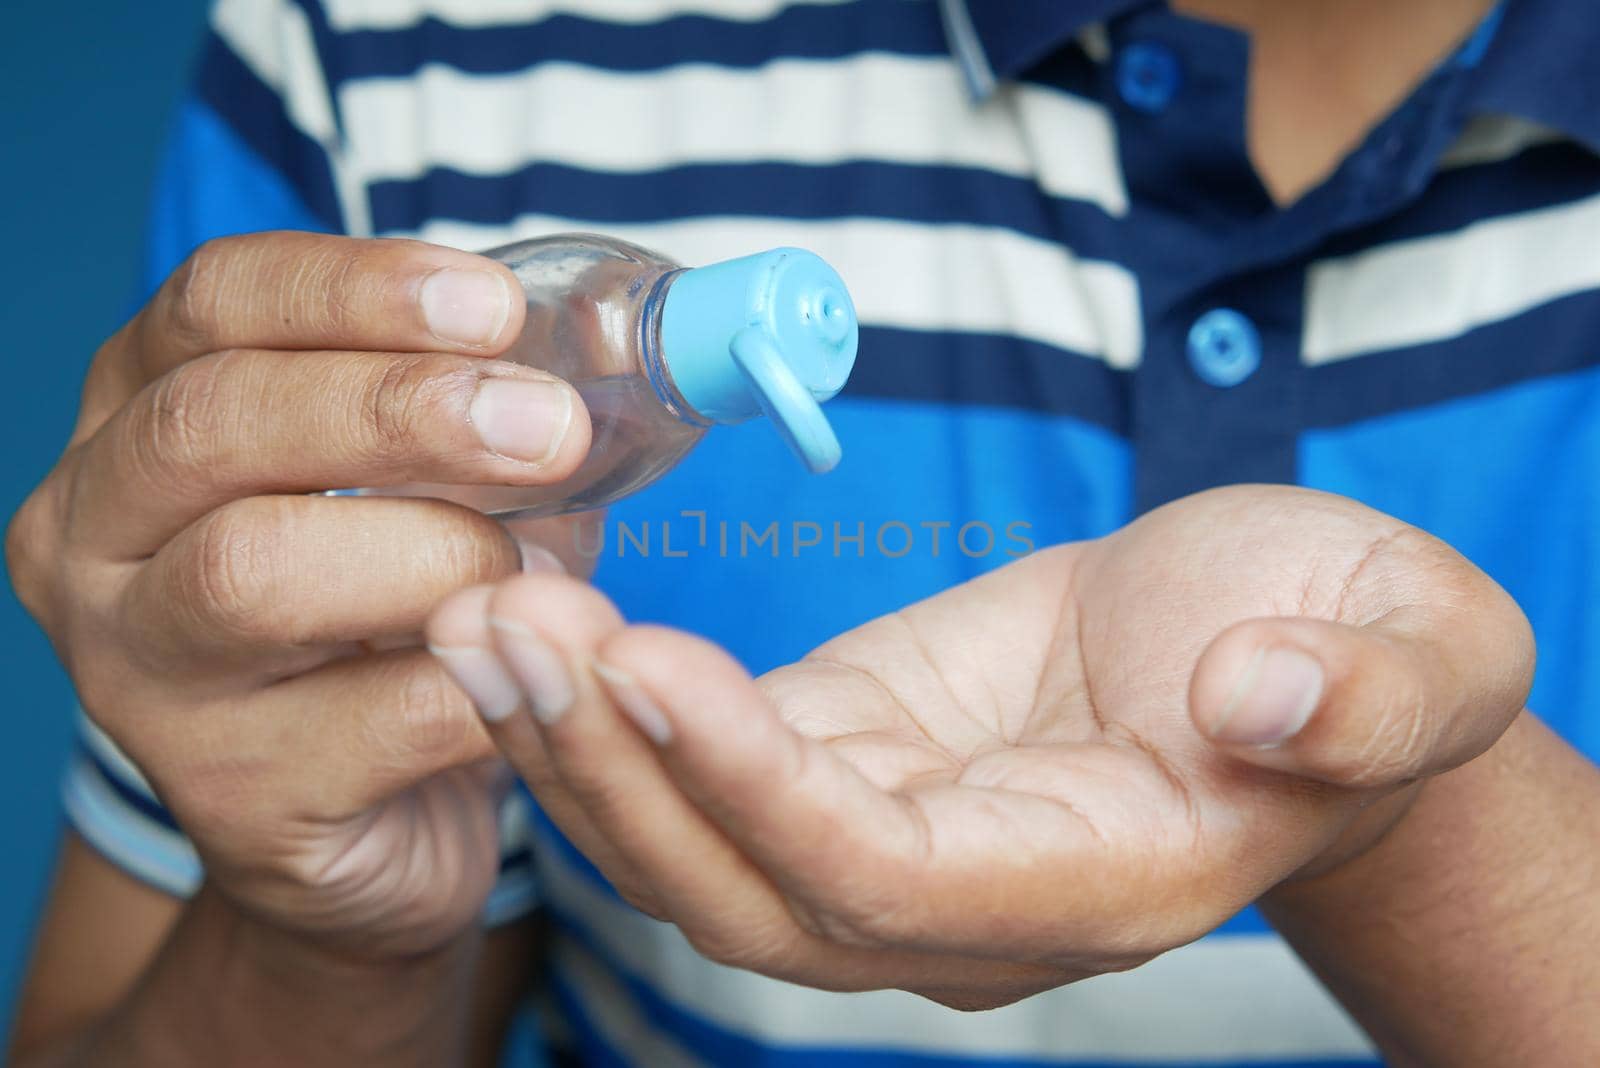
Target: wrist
x=231 y=988
x=1390 y=841
x=1365 y=835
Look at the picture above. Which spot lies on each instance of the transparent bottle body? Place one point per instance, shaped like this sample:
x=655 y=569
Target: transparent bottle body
x=593 y=319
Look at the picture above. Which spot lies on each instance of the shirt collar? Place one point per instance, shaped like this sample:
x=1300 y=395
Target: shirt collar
x=1539 y=65
x=993 y=40
x=1535 y=58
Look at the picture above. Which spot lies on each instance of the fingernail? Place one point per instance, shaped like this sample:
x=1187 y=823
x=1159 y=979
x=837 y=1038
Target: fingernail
x=536 y=558
x=479 y=673
x=635 y=703
x=1274 y=697
x=539 y=669
x=525 y=419
x=465 y=307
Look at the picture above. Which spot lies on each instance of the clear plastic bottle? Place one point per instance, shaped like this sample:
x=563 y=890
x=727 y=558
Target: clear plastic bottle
x=660 y=354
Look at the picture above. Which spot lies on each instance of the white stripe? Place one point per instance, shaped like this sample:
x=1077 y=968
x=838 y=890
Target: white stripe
x=886 y=108
x=111 y=755
x=126 y=837
x=274 y=39
x=1219 y=999
x=1436 y=288
x=399 y=14
x=613 y=1013
x=906 y=275
x=1492 y=138
x=516 y=892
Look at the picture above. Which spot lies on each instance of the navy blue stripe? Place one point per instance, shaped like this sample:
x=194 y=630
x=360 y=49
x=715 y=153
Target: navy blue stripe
x=593 y=1051
x=127 y=794
x=1553 y=339
x=328 y=46
x=257 y=114
x=820 y=32
x=989 y=369
x=517 y=858
x=720 y=1046
x=860 y=189
x=1544 y=177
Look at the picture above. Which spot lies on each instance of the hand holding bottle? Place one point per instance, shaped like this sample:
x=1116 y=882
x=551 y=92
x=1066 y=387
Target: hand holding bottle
x=210 y=605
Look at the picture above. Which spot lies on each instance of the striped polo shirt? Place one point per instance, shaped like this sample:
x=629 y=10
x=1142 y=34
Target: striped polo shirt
x=1078 y=302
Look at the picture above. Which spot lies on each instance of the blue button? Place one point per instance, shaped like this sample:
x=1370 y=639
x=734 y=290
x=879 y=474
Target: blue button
x=1224 y=348
x=1148 y=76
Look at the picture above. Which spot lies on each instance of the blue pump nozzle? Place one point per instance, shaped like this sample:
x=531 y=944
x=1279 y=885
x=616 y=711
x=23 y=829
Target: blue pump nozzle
x=774 y=334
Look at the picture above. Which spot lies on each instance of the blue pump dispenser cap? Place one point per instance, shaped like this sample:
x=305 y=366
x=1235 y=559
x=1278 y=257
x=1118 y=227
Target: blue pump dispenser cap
x=774 y=334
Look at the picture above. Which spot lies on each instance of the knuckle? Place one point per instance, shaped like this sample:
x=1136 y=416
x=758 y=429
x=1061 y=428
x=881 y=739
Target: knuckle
x=235 y=566
x=862 y=921
x=748 y=947
x=27 y=557
x=332 y=283
x=433 y=724
x=1394 y=748
x=479 y=551
x=395 y=403
x=189 y=410
x=198 y=289
x=642 y=900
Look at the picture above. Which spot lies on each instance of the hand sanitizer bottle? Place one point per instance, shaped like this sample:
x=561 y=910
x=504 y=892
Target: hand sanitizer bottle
x=661 y=354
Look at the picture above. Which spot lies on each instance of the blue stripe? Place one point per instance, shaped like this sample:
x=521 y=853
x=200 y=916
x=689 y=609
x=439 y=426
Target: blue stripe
x=990 y=370
x=593 y=1051
x=719 y=1046
x=1509 y=480
x=934 y=194
x=815 y=32
x=259 y=116
x=211 y=184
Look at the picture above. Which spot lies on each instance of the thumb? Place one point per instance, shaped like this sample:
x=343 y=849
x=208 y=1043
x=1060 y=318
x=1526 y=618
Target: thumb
x=1423 y=690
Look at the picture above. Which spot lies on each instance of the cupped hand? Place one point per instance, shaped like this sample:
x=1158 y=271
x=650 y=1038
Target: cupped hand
x=1063 y=768
x=245 y=641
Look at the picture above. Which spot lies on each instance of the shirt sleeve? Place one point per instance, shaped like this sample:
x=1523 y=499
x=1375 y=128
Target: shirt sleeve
x=110 y=804
x=254 y=146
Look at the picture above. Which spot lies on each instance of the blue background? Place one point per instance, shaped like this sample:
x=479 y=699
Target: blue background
x=88 y=89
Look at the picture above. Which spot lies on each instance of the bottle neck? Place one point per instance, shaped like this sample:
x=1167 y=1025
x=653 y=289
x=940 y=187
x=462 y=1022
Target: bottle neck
x=655 y=361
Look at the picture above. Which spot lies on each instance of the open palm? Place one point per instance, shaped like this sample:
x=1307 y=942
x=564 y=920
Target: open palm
x=1059 y=769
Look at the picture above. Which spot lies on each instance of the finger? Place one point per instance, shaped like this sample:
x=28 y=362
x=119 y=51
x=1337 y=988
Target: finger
x=1422 y=690
x=275 y=585
x=336 y=741
x=297 y=291
x=250 y=422
x=458 y=635
x=605 y=787
x=564 y=543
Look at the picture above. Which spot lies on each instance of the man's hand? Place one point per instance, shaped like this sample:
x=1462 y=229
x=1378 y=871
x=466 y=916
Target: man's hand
x=219 y=620
x=1060 y=769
